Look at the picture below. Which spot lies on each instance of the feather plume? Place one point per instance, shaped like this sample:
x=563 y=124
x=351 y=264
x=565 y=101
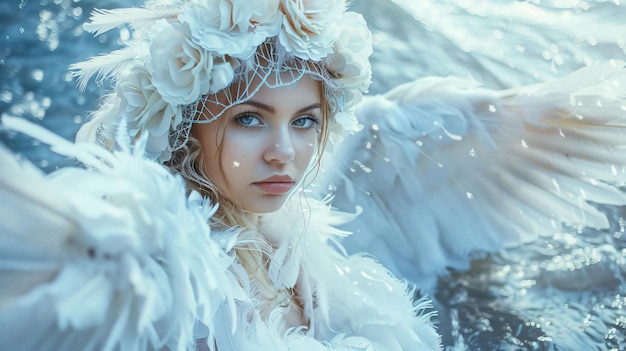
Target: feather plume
x=91 y=156
x=113 y=237
x=105 y=66
x=103 y=21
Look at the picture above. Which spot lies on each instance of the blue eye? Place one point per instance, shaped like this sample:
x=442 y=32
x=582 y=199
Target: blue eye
x=305 y=122
x=248 y=120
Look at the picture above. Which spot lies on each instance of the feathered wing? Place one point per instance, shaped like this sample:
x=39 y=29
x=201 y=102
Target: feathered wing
x=98 y=259
x=444 y=168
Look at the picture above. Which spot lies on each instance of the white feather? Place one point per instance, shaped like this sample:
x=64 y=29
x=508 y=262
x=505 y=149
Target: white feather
x=104 y=20
x=89 y=154
x=105 y=66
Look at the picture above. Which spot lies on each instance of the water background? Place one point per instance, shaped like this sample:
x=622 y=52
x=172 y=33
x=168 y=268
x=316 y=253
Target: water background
x=566 y=292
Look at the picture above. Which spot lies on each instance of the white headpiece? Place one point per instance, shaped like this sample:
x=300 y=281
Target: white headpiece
x=182 y=53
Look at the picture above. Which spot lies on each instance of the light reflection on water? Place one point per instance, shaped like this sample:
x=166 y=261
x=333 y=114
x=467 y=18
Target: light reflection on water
x=38 y=40
x=563 y=293
x=566 y=292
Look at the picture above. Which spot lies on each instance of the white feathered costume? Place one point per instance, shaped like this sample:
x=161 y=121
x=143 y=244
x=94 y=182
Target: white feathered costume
x=119 y=258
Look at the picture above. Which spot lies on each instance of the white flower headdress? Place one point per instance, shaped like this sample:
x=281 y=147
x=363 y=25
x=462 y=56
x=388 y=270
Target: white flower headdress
x=185 y=53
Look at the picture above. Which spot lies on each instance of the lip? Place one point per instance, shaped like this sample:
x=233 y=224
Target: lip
x=276 y=185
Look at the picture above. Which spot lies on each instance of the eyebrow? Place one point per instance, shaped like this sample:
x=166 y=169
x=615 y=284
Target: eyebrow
x=272 y=110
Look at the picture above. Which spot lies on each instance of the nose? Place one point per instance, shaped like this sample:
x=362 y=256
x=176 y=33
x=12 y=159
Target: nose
x=280 y=148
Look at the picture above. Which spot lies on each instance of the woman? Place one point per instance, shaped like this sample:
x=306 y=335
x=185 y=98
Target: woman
x=240 y=98
x=250 y=132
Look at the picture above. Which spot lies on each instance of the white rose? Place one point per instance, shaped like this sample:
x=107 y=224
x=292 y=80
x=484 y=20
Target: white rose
x=143 y=106
x=236 y=29
x=350 y=59
x=181 y=70
x=244 y=16
x=309 y=27
x=146 y=113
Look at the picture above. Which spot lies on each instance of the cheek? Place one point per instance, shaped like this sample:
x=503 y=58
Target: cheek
x=239 y=150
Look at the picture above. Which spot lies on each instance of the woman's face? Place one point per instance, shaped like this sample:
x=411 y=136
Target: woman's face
x=266 y=144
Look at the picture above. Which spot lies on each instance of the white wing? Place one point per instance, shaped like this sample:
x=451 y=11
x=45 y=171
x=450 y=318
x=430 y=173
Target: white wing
x=444 y=168
x=98 y=259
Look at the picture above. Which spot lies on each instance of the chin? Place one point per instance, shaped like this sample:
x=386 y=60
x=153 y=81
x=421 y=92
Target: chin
x=267 y=204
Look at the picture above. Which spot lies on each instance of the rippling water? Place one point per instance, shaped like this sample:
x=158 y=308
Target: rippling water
x=566 y=292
